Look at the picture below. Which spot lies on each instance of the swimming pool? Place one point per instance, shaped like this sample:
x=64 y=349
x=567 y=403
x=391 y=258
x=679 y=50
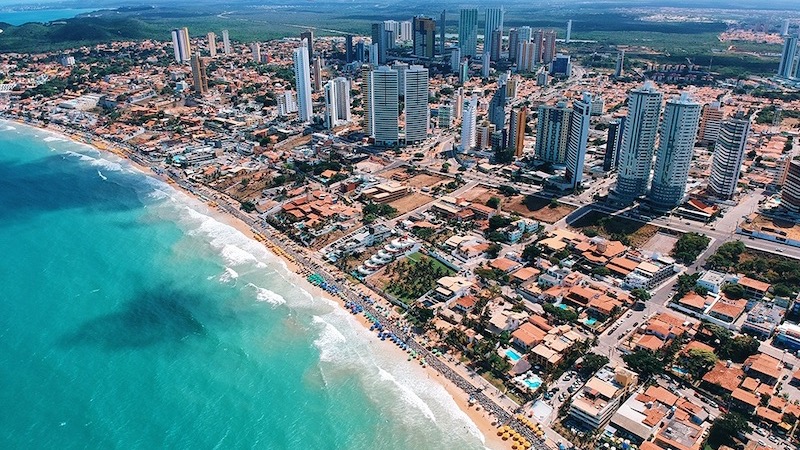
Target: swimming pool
x=513 y=355
x=590 y=321
x=533 y=382
x=679 y=370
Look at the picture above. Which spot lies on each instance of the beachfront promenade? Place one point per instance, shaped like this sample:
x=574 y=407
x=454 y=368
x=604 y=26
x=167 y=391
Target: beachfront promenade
x=503 y=415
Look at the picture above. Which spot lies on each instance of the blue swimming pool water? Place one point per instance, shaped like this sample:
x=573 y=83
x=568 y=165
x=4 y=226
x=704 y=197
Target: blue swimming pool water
x=533 y=382
x=511 y=353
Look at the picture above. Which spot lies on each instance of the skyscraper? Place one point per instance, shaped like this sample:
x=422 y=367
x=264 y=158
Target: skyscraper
x=469 y=123
x=463 y=72
x=308 y=36
x=674 y=154
x=549 y=50
x=348 y=48
x=442 y=21
x=424 y=36
x=538 y=42
x=525 y=34
x=785 y=27
x=619 y=69
x=494 y=21
x=638 y=142
x=497 y=107
x=552 y=133
x=374 y=54
x=379 y=41
x=226 y=43
x=401 y=69
x=455 y=59
x=180 y=44
x=384 y=105
x=497 y=44
x=516 y=130
x=199 y=76
x=788 y=57
x=613 y=143
x=458 y=103
x=361 y=51
x=486 y=64
x=728 y=156
x=468 y=32
x=337 y=102
x=790 y=191
x=416 y=104
x=710 y=123
x=513 y=44
x=578 y=135
x=212 y=44
x=317 y=74
x=568 y=37
x=366 y=82
x=406 y=30
x=255 y=50
x=526 y=57
x=302 y=79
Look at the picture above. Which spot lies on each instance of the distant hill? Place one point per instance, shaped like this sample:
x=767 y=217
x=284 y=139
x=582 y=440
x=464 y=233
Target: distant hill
x=33 y=37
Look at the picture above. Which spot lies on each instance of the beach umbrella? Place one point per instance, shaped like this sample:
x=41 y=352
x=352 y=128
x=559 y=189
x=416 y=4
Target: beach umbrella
x=505 y=436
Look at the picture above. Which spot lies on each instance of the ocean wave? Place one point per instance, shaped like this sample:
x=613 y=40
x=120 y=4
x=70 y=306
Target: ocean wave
x=106 y=164
x=80 y=156
x=100 y=174
x=265 y=295
x=53 y=138
x=9 y=128
x=228 y=275
x=408 y=395
x=330 y=342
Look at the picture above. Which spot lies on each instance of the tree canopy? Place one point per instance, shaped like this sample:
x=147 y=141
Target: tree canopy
x=726 y=428
x=644 y=362
x=689 y=247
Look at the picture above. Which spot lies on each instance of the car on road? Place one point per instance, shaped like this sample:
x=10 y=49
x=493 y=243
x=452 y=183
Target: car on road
x=761 y=431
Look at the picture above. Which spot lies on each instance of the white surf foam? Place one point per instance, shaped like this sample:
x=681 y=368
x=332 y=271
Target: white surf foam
x=100 y=174
x=228 y=275
x=330 y=343
x=265 y=295
x=106 y=164
x=9 y=128
x=408 y=395
x=53 y=138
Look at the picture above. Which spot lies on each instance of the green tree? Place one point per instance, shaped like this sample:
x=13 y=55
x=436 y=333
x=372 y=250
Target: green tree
x=640 y=294
x=531 y=252
x=497 y=221
x=493 y=202
x=689 y=247
x=698 y=361
x=734 y=290
x=493 y=250
x=727 y=255
x=726 y=428
x=644 y=362
x=560 y=315
x=591 y=363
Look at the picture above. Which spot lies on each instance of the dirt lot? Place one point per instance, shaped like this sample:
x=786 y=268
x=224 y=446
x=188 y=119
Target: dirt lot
x=417 y=181
x=661 y=243
x=480 y=194
x=410 y=202
x=536 y=208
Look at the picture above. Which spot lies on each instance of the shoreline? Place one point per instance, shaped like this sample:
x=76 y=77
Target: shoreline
x=480 y=418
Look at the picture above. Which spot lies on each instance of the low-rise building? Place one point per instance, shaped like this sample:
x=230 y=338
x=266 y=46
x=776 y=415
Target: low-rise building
x=763 y=320
x=600 y=397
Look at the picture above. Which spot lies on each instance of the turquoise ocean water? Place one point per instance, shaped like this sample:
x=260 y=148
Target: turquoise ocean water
x=19 y=17
x=129 y=318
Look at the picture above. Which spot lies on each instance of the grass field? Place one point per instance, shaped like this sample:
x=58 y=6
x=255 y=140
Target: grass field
x=619 y=228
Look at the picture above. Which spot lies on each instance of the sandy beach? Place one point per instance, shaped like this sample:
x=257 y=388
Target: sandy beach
x=481 y=419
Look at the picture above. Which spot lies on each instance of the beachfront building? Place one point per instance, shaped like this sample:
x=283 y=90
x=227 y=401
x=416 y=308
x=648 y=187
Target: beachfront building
x=600 y=397
x=493 y=21
x=337 y=102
